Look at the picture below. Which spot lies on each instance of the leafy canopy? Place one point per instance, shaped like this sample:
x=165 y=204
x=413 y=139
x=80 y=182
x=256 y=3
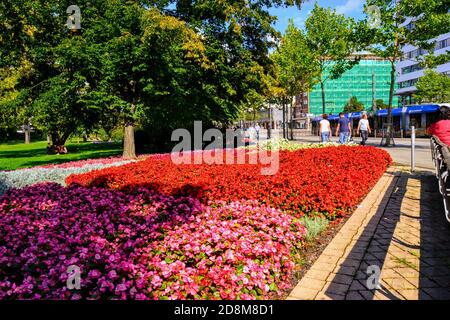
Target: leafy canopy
x=433 y=87
x=158 y=64
x=297 y=65
x=353 y=105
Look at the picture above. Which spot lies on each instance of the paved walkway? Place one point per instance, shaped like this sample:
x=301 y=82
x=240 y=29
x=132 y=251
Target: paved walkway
x=396 y=245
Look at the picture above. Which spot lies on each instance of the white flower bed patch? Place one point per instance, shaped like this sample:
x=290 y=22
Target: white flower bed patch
x=26 y=177
x=284 y=144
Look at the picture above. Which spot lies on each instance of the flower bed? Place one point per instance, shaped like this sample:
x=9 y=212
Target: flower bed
x=328 y=181
x=140 y=245
x=82 y=163
x=53 y=173
x=285 y=144
x=156 y=230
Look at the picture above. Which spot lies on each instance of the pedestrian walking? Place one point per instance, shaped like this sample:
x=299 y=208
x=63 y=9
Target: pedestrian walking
x=364 y=128
x=441 y=127
x=343 y=129
x=257 y=129
x=325 y=129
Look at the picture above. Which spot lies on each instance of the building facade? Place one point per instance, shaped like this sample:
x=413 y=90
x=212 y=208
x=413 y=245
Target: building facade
x=367 y=80
x=301 y=105
x=409 y=70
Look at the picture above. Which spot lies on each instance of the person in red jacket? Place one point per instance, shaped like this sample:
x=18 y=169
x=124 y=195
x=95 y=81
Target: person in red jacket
x=441 y=128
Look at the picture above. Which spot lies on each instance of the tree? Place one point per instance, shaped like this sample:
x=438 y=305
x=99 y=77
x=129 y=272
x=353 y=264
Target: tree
x=433 y=87
x=297 y=66
x=380 y=105
x=34 y=38
x=13 y=105
x=142 y=64
x=330 y=36
x=156 y=64
x=353 y=105
x=431 y=18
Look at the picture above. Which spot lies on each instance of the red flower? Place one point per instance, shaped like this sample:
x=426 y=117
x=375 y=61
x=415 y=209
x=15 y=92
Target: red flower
x=329 y=181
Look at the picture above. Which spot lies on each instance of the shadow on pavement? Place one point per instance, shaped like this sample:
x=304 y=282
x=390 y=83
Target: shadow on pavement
x=371 y=248
x=434 y=282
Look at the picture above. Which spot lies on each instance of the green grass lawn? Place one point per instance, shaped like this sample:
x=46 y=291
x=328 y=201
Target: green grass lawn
x=19 y=155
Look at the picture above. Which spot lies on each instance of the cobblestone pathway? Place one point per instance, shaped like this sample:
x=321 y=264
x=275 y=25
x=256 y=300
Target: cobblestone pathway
x=399 y=231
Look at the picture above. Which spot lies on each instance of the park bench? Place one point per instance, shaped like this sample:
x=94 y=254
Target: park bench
x=441 y=157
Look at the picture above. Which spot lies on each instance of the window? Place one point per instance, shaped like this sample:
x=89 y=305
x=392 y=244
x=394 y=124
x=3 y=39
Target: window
x=413 y=54
x=410 y=26
x=408 y=83
x=412 y=68
x=442 y=44
x=415 y=120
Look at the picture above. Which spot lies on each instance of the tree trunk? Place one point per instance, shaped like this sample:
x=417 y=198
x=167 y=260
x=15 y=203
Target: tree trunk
x=269 y=128
x=129 y=148
x=284 y=118
x=27 y=135
x=391 y=98
x=291 y=120
x=57 y=145
x=322 y=87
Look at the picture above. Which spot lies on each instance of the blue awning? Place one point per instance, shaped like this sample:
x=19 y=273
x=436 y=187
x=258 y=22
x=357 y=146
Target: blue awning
x=395 y=112
x=429 y=108
x=356 y=115
x=333 y=117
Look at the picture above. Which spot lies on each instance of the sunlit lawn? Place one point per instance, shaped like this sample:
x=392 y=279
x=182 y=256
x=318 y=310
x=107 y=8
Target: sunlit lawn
x=19 y=155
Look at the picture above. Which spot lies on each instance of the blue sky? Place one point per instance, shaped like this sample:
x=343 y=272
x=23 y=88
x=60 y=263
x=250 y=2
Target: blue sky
x=350 y=8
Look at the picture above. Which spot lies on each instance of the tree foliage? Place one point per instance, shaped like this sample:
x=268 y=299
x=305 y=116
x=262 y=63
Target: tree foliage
x=332 y=37
x=156 y=64
x=430 y=19
x=297 y=65
x=380 y=105
x=353 y=105
x=433 y=87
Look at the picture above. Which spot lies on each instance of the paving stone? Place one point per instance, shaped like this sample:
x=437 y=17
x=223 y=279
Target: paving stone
x=340 y=278
x=443 y=281
x=399 y=283
x=317 y=274
x=358 y=286
x=300 y=293
x=354 y=295
x=351 y=271
x=408 y=272
x=438 y=293
x=326 y=267
x=330 y=296
x=345 y=262
x=336 y=288
x=396 y=228
x=310 y=283
x=409 y=294
x=367 y=294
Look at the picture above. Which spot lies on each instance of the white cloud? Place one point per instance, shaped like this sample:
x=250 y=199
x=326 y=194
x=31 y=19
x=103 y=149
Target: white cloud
x=299 y=21
x=350 y=6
